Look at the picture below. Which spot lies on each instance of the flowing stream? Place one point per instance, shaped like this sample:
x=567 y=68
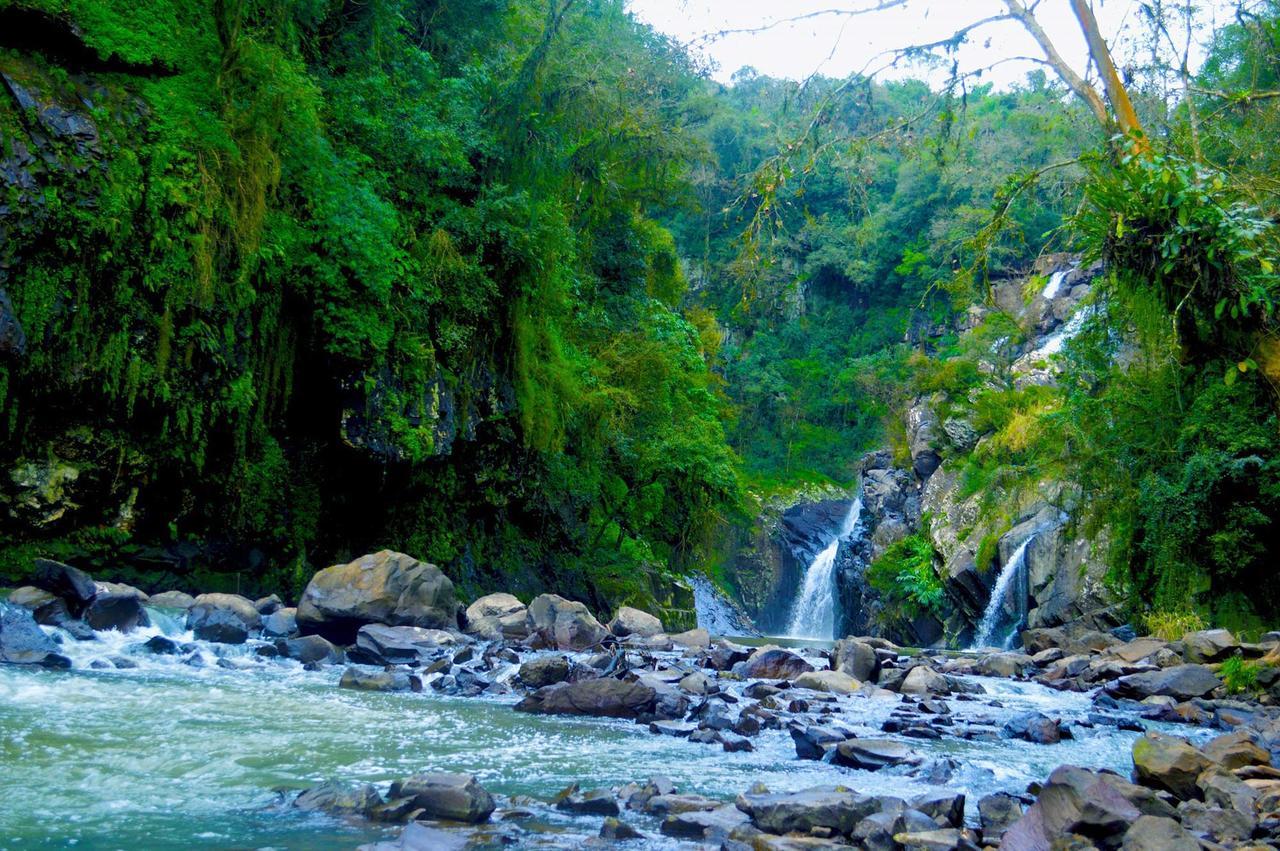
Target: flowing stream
x=203 y=750
x=814 y=612
x=1014 y=568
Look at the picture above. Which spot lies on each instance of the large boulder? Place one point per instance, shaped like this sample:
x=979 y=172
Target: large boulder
x=224 y=618
x=1073 y=801
x=117 y=607
x=172 y=600
x=1152 y=833
x=62 y=580
x=835 y=682
x=497 y=616
x=801 y=812
x=564 y=624
x=385 y=587
x=400 y=645
x=923 y=681
x=629 y=621
x=545 y=671
x=46 y=608
x=1182 y=682
x=874 y=754
x=280 y=623
x=1170 y=763
x=340 y=799
x=773 y=663
x=856 y=658
x=608 y=698
x=358 y=680
x=442 y=795
x=1208 y=645
x=309 y=649
x=23 y=642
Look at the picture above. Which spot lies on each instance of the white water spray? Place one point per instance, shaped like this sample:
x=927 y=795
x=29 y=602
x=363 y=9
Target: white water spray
x=814 y=612
x=1052 y=288
x=995 y=606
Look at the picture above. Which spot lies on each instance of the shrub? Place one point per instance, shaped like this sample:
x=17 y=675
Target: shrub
x=905 y=575
x=1239 y=676
x=1170 y=626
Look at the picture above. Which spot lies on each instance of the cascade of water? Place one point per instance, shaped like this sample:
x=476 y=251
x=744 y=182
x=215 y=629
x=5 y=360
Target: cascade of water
x=814 y=612
x=995 y=607
x=1055 y=284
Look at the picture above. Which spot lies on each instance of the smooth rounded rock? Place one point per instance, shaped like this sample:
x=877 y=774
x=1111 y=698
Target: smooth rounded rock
x=381 y=588
x=631 y=621
x=444 y=795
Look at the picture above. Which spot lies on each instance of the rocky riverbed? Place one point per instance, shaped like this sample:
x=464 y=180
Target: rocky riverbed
x=380 y=713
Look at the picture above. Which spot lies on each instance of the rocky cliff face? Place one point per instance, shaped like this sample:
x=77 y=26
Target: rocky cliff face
x=976 y=532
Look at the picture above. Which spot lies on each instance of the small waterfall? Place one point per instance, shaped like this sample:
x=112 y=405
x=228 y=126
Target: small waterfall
x=1013 y=570
x=1052 y=288
x=814 y=612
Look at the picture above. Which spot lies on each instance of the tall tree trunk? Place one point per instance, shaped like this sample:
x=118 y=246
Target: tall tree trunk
x=1126 y=117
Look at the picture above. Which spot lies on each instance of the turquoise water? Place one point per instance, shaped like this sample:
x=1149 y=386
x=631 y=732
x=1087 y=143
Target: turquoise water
x=178 y=755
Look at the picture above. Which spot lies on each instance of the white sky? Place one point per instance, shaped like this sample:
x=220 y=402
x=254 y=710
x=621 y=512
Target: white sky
x=837 y=46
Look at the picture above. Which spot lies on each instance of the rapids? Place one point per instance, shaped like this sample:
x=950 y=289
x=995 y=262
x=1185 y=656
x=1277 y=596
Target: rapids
x=203 y=750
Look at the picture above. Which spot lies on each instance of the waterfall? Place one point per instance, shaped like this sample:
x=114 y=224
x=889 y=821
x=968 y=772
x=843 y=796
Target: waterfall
x=1055 y=284
x=1012 y=570
x=814 y=612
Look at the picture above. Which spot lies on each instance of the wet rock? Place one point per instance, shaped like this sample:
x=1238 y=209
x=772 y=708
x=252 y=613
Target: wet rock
x=310 y=649
x=443 y=795
x=117 y=607
x=945 y=808
x=1072 y=801
x=1137 y=649
x=1034 y=727
x=44 y=606
x=419 y=837
x=23 y=642
x=1150 y=833
x=1182 y=682
x=801 y=812
x=723 y=655
x=874 y=754
x=354 y=678
x=672 y=803
x=923 y=680
x=379 y=644
x=1210 y=645
x=697 y=683
x=161 y=646
x=814 y=741
x=733 y=743
x=496 y=616
x=834 y=682
x=629 y=621
x=714 y=824
x=944 y=839
x=225 y=618
x=172 y=600
x=694 y=639
x=618 y=830
x=1215 y=823
x=1170 y=763
x=997 y=813
x=62 y=580
x=269 y=604
x=280 y=623
x=340 y=799
x=597 y=802
x=1006 y=665
x=773 y=663
x=563 y=624
x=544 y=671
x=79 y=630
x=383 y=588
x=1236 y=750
x=608 y=698
x=856 y=658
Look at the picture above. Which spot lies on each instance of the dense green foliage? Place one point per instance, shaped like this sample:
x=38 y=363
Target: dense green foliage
x=906 y=578
x=348 y=275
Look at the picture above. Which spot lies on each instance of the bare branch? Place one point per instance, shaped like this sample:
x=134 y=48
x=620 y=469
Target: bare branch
x=879 y=6
x=1087 y=93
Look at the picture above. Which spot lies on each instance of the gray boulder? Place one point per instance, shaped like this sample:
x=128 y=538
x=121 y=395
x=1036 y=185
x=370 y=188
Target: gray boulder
x=280 y=623
x=857 y=659
x=1182 y=682
x=340 y=799
x=397 y=645
x=117 y=607
x=773 y=663
x=443 y=795
x=801 y=812
x=497 y=616
x=1151 y=833
x=382 y=588
x=62 y=580
x=23 y=642
x=629 y=621
x=358 y=680
x=545 y=671
x=608 y=698
x=44 y=606
x=172 y=600
x=563 y=624
x=997 y=813
x=224 y=618
x=1170 y=763
x=309 y=649
x=874 y=754
x=1209 y=645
